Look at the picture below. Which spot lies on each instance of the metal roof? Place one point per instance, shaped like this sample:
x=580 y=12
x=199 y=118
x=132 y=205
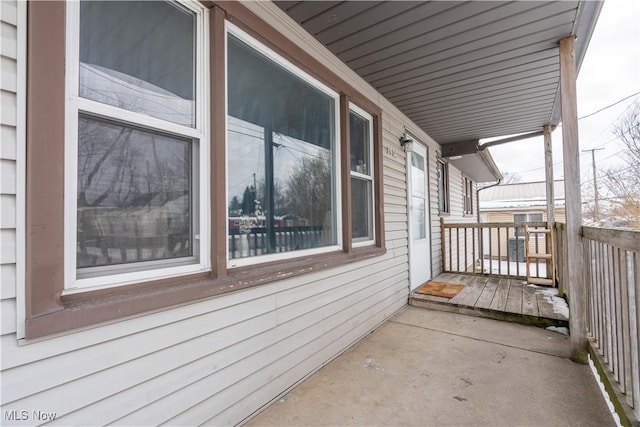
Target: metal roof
x=461 y=71
x=520 y=195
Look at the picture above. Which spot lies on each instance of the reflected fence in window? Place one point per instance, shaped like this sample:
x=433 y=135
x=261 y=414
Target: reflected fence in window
x=492 y=249
x=255 y=240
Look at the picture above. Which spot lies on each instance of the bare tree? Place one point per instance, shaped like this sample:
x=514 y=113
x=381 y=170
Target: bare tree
x=511 y=178
x=623 y=183
x=308 y=190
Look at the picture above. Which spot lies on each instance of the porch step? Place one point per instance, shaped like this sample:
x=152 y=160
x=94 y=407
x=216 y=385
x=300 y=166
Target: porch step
x=495 y=298
x=541 y=281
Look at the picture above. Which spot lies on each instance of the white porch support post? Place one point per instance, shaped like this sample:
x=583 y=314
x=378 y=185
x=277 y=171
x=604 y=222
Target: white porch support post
x=573 y=202
x=551 y=210
x=548 y=170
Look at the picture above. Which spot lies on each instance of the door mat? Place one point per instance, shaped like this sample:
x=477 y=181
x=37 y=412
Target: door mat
x=440 y=289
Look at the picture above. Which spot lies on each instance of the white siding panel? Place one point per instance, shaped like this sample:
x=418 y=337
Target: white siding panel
x=233 y=343
x=8 y=105
x=7 y=246
x=47 y=373
x=7 y=142
x=9 y=12
x=9 y=46
x=319 y=354
x=7 y=281
x=8 y=74
x=7 y=211
x=7 y=176
x=8 y=318
x=282 y=364
x=205 y=376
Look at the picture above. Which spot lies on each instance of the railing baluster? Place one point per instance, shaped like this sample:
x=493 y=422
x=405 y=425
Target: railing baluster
x=611 y=309
x=499 y=252
x=509 y=260
x=625 y=372
x=458 y=249
x=466 y=264
x=633 y=277
x=615 y=256
x=450 y=249
x=473 y=247
x=490 y=250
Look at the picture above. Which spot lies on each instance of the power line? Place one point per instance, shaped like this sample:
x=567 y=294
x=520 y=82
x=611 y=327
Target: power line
x=609 y=106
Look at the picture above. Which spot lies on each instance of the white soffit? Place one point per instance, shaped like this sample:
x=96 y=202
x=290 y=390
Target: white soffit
x=459 y=70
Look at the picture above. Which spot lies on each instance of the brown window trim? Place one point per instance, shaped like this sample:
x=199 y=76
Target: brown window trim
x=47 y=311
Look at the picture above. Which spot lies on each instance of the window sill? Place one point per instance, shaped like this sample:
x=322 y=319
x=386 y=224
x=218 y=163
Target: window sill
x=90 y=308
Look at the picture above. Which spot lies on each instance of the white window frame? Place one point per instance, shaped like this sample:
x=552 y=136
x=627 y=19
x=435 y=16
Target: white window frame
x=363 y=241
x=467 y=195
x=527 y=218
x=75 y=105
x=445 y=187
x=307 y=78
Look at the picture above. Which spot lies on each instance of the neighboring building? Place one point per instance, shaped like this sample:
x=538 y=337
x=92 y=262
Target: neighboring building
x=130 y=130
x=518 y=203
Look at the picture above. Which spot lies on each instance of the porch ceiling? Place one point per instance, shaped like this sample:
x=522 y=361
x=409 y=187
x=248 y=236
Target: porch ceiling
x=461 y=71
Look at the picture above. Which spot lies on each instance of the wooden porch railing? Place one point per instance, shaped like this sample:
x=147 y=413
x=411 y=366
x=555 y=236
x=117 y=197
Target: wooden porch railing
x=612 y=280
x=490 y=248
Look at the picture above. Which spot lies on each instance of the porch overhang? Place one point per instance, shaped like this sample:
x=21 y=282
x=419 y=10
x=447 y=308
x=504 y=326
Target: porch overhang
x=479 y=166
x=461 y=71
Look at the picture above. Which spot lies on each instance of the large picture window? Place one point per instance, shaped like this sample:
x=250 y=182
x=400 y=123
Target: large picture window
x=135 y=130
x=281 y=155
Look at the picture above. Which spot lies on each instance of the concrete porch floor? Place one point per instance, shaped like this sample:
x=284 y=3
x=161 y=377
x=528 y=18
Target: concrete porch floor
x=432 y=368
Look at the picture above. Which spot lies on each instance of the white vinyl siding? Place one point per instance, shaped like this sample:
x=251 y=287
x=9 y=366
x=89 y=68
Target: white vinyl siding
x=8 y=164
x=456 y=215
x=219 y=360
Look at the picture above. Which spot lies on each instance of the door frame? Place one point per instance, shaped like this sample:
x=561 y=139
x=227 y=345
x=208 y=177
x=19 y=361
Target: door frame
x=428 y=228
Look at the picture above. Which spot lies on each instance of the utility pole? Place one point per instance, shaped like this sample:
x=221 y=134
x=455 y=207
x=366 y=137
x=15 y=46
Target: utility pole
x=595 y=183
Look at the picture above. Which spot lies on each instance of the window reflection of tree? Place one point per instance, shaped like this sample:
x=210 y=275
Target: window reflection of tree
x=133 y=194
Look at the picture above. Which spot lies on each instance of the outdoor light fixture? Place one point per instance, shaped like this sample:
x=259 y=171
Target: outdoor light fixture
x=406 y=142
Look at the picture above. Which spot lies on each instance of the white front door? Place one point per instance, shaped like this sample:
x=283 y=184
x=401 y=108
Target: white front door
x=418 y=201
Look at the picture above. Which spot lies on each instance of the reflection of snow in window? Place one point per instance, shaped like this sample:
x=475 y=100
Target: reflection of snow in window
x=123 y=91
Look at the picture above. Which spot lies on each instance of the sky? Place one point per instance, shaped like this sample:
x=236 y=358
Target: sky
x=610 y=72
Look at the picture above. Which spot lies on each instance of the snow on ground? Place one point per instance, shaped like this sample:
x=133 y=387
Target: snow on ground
x=551 y=295
x=594 y=371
